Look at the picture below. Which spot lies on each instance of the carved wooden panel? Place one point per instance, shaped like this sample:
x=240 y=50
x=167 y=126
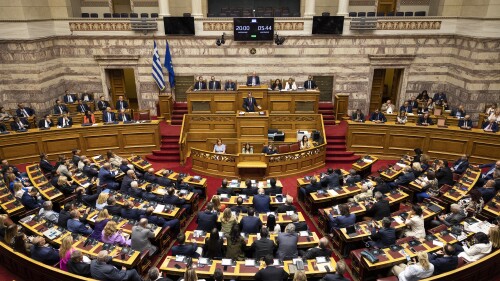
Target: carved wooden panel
x=408 y=25
x=100 y=26
x=61 y=144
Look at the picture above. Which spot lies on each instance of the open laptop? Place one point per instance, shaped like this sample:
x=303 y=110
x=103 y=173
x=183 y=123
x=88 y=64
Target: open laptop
x=351 y=231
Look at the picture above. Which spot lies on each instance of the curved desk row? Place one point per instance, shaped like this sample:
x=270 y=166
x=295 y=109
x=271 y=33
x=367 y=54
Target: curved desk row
x=137 y=138
x=392 y=140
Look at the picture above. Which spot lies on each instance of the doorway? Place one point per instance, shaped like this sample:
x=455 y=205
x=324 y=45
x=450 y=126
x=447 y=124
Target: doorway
x=387 y=6
x=386 y=85
x=122 y=83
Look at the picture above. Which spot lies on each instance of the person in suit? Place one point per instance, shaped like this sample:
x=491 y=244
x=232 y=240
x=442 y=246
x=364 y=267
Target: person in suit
x=487 y=191
x=123 y=116
x=331 y=178
x=64 y=121
x=148 y=195
x=86 y=97
x=3 y=128
x=77 y=266
x=214 y=84
x=207 y=219
x=273 y=189
x=101 y=269
x=76 y=226
x=200 y=84
x=388 y=107
x=239 y=208
x=121 y=104
x=320 y=251
x=270 y=272
x=82 y=106
x=358 y=116
x=313 y=186
x=352 y=178
x=490 y=126
x=60 y=108
x=465 y=123
x=287 y=243
x=382 y=237
x=378 y=117
x=249 y=190
x=290 y=85
x=31 y=199
x=380 y=209
x=444 y=260
x=154 y=275
x=140 y=237
x=102 y=104
x=45 y=164
x=106 y=176
x=165 y=181
x=250 y=103
x=224 y=189
x=129 y=212
x=113 y=208
x=288 y=206
x=458 y=112
x=19 y=124
x=425 y=120
x=40 y=251
x=439 y=98
x=261 y=202
x=23 y=111
x=444 y=175
x=150 y=176
x=344 y=219
x=250 y=223
x=161 y=222
x=460 y=165
x=299 y=225
x=213 y=248
x=310 y=84
x=89 y=170
x=413 y=102
x=407 y=107
x=405 y=179
x=230 y=85
x=172 y=199
x=46 y=122
x=69 y=97
x=340 y=269
x=277 y=86
x=263 y=246
x=76 y=156
x=456 y=215
x=253 y=80
x=108 y=116
x=269 y=149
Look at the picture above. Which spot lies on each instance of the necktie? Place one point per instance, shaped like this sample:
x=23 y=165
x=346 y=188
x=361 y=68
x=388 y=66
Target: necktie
x=109 y=117
x=124 y=117
x=25 y=113
x=70 y=99
x=121 y=105
x=82 y=108
x=21 y=126
x=60 y=110
x=309 y=85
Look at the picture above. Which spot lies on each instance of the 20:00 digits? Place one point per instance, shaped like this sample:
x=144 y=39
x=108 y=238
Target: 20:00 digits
x=243 y=27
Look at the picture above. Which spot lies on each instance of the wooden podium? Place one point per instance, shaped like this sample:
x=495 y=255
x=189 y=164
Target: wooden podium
x=252 y=127
x=258 y=92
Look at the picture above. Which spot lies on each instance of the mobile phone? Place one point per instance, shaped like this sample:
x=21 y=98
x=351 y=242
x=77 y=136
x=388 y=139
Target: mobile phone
x=225 y=267
x=177 y=266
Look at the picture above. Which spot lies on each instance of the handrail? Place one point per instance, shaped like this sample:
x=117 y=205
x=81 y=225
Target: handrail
x=182 y=142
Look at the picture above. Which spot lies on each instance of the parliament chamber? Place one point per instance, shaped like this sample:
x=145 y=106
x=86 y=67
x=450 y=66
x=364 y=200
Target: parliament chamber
x=295 y=140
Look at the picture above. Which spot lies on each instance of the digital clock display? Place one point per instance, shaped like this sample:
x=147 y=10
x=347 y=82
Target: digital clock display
x=253 y=29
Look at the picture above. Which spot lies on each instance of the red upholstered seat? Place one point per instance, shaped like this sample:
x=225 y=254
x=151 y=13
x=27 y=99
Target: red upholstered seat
x=390 y=278
x=294 y=147
x=284 y=148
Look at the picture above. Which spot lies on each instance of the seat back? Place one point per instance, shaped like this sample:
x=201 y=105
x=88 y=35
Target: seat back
x=370 y=14
x=461 y=262
x=94 y=15
x=284 y=148
x=294 y=147
x=353 y=14
x=399 y=14
x=420 y=14
x=380 y=14
x=106 y=15
x=134 y=15
x=390 y=14
x=124 y=15
x=408 y=14
x=154 y=15
x=116 y=15
x=85 y=15
x=362 y=14
x=144 y=15
x=142 y=114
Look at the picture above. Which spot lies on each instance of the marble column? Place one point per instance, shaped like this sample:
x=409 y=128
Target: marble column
x=196 y=10
x=310 y=8
x=164 y=8
x=343 y=8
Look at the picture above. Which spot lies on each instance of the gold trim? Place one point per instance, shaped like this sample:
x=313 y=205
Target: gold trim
x=99 y=26
x=408 y=25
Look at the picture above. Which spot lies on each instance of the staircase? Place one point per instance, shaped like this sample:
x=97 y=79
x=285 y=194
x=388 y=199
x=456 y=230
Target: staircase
x=180 y=108
x=326 y=109
x=336 y=145
x=169 y=148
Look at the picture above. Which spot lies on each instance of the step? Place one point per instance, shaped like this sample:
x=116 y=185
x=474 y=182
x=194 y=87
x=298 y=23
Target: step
x=180 y=111
x=322 y=105
x=170 y=146
x=162 y=158
x=170 y=138
x=339 y=153
x=349 y=159
x=166 y=152
x=329 y=122
x=335 y=140
x=340 y=147
x=176 y=122
x=328 y=117
x=180 y=105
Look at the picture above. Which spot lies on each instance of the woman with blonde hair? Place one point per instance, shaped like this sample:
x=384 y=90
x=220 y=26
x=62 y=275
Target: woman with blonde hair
x=18 y=190
x=111 y=235
x=3 y=225
x=10 y=233
x=300 y=275
x=414 y=270
x=65 y=252
x=100 y=222
x=218 y=206
x=190 y=275
x=494 y=234
x=227 y=221
x=417 y=169
x=102 y=201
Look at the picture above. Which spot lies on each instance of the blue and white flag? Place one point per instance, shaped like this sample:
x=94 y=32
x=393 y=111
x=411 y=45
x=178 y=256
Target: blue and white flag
x=170 y=67
x=158 y=69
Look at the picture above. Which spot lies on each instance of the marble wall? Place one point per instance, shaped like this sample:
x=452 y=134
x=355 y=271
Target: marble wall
x=38 y=71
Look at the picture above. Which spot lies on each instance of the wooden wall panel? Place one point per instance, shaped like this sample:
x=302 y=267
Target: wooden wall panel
x=16 y=152
x=61 y=145
x=138 y=139
x=99 y=142
x=368 y=140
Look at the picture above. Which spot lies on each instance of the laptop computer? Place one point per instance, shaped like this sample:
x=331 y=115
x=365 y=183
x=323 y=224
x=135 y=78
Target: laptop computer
x=351 y=231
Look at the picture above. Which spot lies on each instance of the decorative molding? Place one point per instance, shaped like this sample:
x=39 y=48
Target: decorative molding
x=292 y=118
x=146 y=3
x=287 y=25
x=408 y=25
x=99 y=26
x=228 y=26
x=415 y=2
x=94 y=3
x=117 y=57
x=297 y=155
x=203 y=118
x=213 y=156
x=362 y=3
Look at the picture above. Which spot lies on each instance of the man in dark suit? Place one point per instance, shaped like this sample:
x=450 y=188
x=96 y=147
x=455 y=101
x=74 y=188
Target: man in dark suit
x=3 y=128
x=273 y=189
x=23 y=111
x=31 y=199
x=264 y=246
x=200 y=84
x=269 y=149
x=82 y=107
x=465 y=123
x=405 y=179
x=69 y=98
x=46 y=122
x=492 y=167
x=407 y=107
x=380 y=209
x=113 y=208
x=60 y=108
x=331 y=178
x=213 y=84
x=250 y=103
x=378 y=117
x=425 y=120
x=383 y=237
x=230 y=85
x=164 y=180
x=19 y=124
x=490 y=126
x=439 y=98
x=101 y=269
x=310 y=84
x=253 y=80
x=207 y=220
x=76 y=156
x=108 y=116
x=102 y=104
x=224 y=189
x=249 y=189
x=89 y=170
x=444 y=175
x=288 y=206
x=107 y=177
x=76 y=226
x=340 y=269
x=123 y=116
x=121 y=104
x=188 y=250
x=358 y=116
x=161 y=222
x=172 y=199
x=65 y=121
x=320 y=251
x=150 y=176
x=271 y=272
x=42 y=253
x=261 y=202
x=250 y=223
x=352 y=178
x=487 y=191
x=45 y=164
x=239 y=208
x=148 y=195
x=460 y=165
x=313 y=186
x=299 y=225
x=129 y=212
x=444 y=260
x=77 y=266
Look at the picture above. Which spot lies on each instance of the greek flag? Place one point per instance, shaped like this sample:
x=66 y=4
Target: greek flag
x=157 y=69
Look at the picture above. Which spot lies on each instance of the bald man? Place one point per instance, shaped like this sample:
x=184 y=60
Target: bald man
x=150 y=176
x=261 y=202
x=320 y=251
x=253 y=80
x=101 y=269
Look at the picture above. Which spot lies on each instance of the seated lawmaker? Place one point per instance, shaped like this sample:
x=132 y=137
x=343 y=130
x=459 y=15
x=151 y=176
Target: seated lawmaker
x=76 y=226
x=200 y=84
x=183 y=249
x=358 y=116
x=444 y=260
x=121 y=104
x=415 y=223
x=304 y=143
x=82 y=106
x=380 y=209
x=42 y=252
x=287 y=243
x=405 y=179
x=224 y=189
x=414 y=270
x=253 y=80
x=425 y=120
x=413 y=102
x=207 y=220
x=32 y=199
x=320 y=251
x=46 y=122
x=269 y=149
x=23 y=111
x=458 y=112
x=230 y=85
x=439 y=98
x=102 y=269
x=406 y=107
x=277 y=86
x=171 y=198
x=140 y=237
x=250 y=103
x=214 y=84
x=247 y=148
x=401 y=118
x=488 y=191
x=88 y=117
x=456 y=216
x=19 y=124
x=288 y=206
x=382 y=237
x=490 y=126
x=461 y=164
x=3 y=128
x=108 y=116
x=77 y=266
x=64 y=121
x=69 y=97
x=340 y=269
x=60 y=108
x=465 y=123
x=344 y=219
x=106 y=176
x=290 y=85
x=271 y=272
x=310 y=84
x=219 y=147
x=123 y=116
x=251 y=223
x=299 y=225
x=388 y=107
x=480 y=247
x=273 y=189
x=378 y=117
x=102 y=104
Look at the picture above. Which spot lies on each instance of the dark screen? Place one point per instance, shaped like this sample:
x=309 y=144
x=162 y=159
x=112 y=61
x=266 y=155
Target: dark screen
x=179 y=25
x=253 y=29
x=328 y=25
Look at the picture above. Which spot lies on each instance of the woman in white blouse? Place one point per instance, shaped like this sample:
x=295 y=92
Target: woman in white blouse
x=491 y=109
x=401 y=119
x=290 y=85
x=414 y=271
x=415 y=223
x=495 y=116
x=481 y=246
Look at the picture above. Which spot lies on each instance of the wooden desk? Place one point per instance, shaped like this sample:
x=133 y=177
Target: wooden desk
x=42 y=184
x=390 y=140
x=232 y=201
x=364 y=165
x=463 y=186
x=140 y=163
x=281 y=218
x=121 y=138
x=141 y=204
x=8 y=203
x=492 y=211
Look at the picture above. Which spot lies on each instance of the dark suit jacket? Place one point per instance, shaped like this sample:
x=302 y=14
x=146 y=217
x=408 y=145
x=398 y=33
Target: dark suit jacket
x=248 y=105
x=460 y=166
x=41 y=123
x=263 y=247
x=239 y=209
x=77 y=226
x=90 y=171
x=46 y=166
x=211 y=85
x=408 y=109
x=105 y=271
x=261 y=203
x=251 y=191
x=102 y=105
x=317 y=252
x=384 y=237
x=173 y=200
x=148 y=196
x=132 y=214
x=82 y=108
x=249 y=80
x=454 y=219
x=300 y=226
x=150 y=177
x=120 y=117
x=114 y=210
x=438 y=96
x=378 y=117
x=353 y=180
x=494 y=126
x=105 y=177
x=124 y=105
x=342 y=221
x=231 y=85
x=355 y=116
x=69 y=122
x=405 y=178
x=334 y=277
x=105 y=117
x=443 y=264
x=311 y=85
x=80 y=268
x=465 y=123
x=64 y=216
x=15 y=126
x=444 y=176
x=285 y=208
x=273 y=190
x=206 y=221
x=46 y=255
x=332 y=179
x=250 y=224
x=58 y=111
x=379 y=210
x=200 y=85
x=225 y=191
x=422 y=120
x=3 y=128
x=30 y=112
x=310 y=188
x=66 y=98
x=30 y=202
x=271 y=273
x=188 y=250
